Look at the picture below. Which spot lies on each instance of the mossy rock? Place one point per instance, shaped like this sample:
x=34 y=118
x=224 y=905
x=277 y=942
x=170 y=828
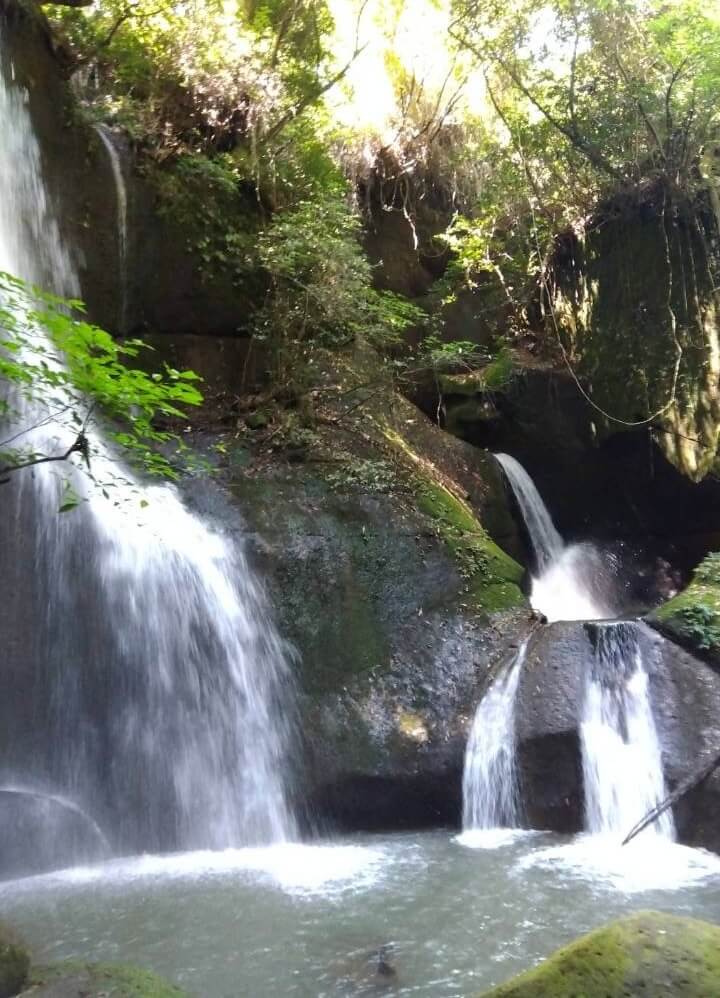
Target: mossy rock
x=98 y=980
x=14 y=963
x=693 y=616
x=648 y=954
x=493 y=577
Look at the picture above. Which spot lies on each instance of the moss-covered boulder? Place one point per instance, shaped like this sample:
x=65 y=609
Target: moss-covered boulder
x=14 y=963
x=693 y=616
x=97 y=980
x=649 y=954
x=636 y=306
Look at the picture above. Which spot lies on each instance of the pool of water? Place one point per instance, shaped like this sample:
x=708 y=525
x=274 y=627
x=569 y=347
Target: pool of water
x=424 y=914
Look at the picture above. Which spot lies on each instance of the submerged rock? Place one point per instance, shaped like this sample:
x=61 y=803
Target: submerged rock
x=14 y=963
x=647 y=954
x=98 y=980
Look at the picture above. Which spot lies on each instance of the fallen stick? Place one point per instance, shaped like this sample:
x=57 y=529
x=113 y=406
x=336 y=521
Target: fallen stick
x=680 y=790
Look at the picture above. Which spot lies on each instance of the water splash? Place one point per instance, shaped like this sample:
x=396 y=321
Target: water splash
x=573 y=582
x=490 y=791
x=621 y=754
x=145 y=675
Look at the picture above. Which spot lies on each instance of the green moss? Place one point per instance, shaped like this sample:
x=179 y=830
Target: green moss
x=493 y=377
x=493 y=577
x=648 y=953
x=693 y=616
x=14 y=964
x=111 y=980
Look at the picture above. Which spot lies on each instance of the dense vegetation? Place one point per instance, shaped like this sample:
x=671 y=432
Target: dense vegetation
x=525 y=116
x=307 y=120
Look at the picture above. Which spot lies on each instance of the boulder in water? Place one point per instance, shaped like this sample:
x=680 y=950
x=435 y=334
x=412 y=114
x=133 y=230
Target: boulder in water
x=14 y=963
x=648 y=953
x=97 y=980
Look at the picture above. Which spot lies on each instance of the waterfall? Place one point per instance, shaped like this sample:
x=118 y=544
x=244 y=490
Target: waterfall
x=121 y=198
x=144 y=680
x=622 y=760
x=546 y=542
x=490 y=792
x=573 y=582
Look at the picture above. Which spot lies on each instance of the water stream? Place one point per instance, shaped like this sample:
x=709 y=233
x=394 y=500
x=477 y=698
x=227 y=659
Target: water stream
x=146 y=682
x=490 y=790
x=621 y=754
x=571 y=582
x=121 y=197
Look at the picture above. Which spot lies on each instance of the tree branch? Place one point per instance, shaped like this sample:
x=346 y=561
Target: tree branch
x=79 y=446
x=588 y=149
x=682 y=788
x=312 y=98
x=641 y=107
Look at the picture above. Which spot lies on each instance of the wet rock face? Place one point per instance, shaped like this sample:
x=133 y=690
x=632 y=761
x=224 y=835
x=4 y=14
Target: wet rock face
x=685 y=695
x=392 y=657
x=617 y=488
x=644 y=954
x=164 y=288
x=392 y=663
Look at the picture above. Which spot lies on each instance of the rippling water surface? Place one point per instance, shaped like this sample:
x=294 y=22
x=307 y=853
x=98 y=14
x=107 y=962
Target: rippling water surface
x=437 y=915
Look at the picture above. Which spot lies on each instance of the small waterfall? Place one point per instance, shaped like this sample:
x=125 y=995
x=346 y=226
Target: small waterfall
x=144 y=680
x=572 y=582
x=108 y=140
x=546 y=541
x=622 y=760
x=490 y=792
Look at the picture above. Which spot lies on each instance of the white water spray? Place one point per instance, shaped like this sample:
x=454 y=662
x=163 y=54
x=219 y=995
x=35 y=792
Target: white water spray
x=121 y=197
x=571 y=582
x=490 y=791
x=147 y=685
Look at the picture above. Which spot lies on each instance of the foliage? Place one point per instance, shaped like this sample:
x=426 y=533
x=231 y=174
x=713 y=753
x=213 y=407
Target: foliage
x=204 y=196
x=204 y=76
x=590 y=99
x=708 y=570
x=321 y=293
x=701 y=624
x=62 y=371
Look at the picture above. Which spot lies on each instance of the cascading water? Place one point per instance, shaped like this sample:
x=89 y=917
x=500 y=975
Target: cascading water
x=108 y=140
x=622 y=759
x=571 y=582
x=490 y=793
x=144 y=680
x=546 y=541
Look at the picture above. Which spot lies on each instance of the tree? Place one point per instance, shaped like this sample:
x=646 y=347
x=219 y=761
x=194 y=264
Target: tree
x=63 y=377
x=320 y=289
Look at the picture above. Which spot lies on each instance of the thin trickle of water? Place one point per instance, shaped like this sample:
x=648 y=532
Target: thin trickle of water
x=146 y=682
x=621 y=754
x=121 y=197
x=571 y=582
x=490 y=791
x=546 y=541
